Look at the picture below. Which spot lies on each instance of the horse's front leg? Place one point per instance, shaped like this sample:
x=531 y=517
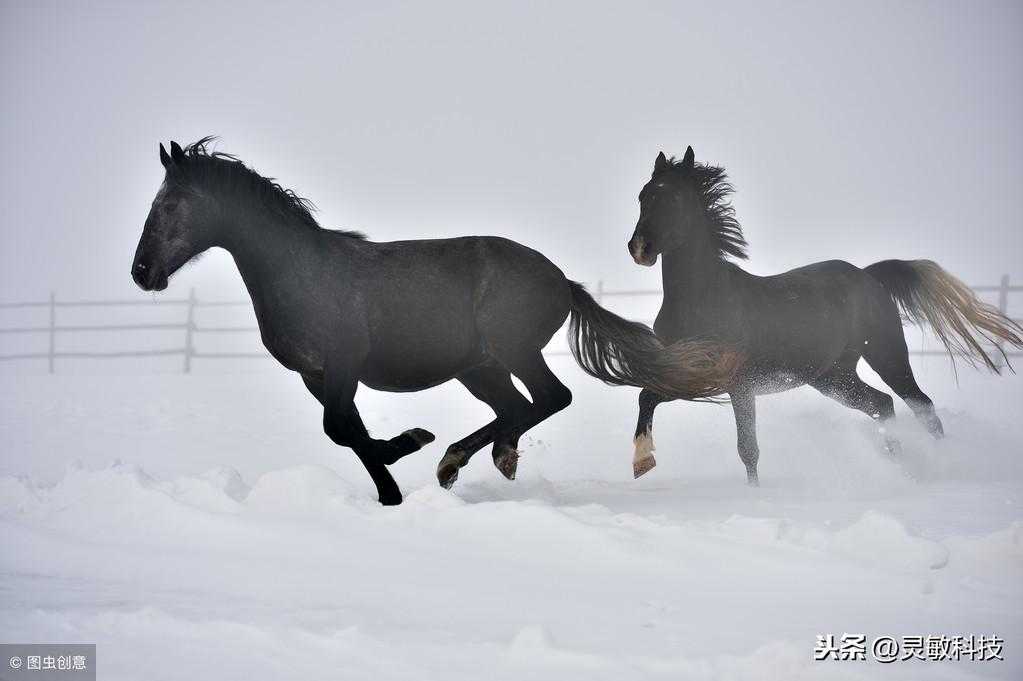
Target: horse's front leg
x=744 y=405
x=343 y=425
x=643 y=457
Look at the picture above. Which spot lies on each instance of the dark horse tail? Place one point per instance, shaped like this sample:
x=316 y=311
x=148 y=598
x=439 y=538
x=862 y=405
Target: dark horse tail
x=620 y=352
x=927 y=293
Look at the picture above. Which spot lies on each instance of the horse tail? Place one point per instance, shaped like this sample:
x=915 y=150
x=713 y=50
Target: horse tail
x=927 y=293
x=620 y=352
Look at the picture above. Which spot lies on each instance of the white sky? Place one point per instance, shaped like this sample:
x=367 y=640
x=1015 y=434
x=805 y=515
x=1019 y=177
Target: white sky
x=860 y=131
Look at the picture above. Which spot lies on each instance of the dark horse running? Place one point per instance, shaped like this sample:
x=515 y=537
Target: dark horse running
x=402 y=316
x=807 y=326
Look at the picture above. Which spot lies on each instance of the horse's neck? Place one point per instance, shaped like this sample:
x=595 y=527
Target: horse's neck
x=691 y=275
x=270 y=255
x=696 y=293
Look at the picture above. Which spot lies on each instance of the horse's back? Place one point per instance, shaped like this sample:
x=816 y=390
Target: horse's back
x=523 y=296
x=485 y=261
x=800 y=322
x=818 y=271
x=451 y=298
x=836 y=281
x=493 y=253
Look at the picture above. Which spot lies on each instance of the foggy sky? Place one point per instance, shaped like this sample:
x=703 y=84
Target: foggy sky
x=859 y=131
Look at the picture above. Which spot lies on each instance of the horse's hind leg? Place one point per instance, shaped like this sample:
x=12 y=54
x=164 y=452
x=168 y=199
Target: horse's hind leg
x=889 y=357
x=549 y=397
x=843 y=385
x=515 y=320
x=493 y=385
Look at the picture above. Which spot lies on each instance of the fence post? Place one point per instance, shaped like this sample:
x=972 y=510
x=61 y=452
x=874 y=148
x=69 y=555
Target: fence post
x=600 y=292
x=189 y=326
x=53 y=329
x=1003 y=295
x=1003 y=307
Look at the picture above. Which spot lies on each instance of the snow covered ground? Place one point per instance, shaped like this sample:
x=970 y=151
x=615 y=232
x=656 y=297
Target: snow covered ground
x=202 y=527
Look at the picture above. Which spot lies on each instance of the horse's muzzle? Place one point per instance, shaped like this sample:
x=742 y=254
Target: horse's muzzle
x=639 y=249
x=148 y=278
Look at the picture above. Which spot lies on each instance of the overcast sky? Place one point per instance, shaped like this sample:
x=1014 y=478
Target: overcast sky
x=860 y=131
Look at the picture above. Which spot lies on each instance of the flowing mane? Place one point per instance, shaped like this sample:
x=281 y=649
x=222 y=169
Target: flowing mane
x=226 y=173
x=713 y=187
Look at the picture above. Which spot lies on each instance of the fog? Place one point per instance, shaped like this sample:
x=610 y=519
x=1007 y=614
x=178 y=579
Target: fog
x=859 y=131
x=151 y=511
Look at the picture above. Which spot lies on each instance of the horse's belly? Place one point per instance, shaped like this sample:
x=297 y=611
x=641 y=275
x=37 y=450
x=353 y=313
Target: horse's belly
x=766 y=383
x=783 y=364
x=419 y=366
x=398 y=375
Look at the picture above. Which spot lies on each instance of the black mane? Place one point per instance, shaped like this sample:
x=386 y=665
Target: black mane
x=226 y=173
x=713 y=187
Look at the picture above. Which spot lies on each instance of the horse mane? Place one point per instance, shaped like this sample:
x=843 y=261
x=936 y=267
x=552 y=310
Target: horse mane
x=713 y=187
x=225 y=172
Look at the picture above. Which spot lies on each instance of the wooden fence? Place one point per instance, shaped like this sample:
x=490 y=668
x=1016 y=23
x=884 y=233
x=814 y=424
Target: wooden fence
x=190 y=329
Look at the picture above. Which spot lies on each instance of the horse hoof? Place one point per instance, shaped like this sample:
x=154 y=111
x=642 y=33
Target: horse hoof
x=506 y=459
x=420 y=436
x=643 y=466
x=447 y=469
x=447 y=477
x=643 y=458
x=391 y=499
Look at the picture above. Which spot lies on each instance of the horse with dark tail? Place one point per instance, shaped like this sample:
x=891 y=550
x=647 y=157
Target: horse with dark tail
x=401 y=316
x=621 y=352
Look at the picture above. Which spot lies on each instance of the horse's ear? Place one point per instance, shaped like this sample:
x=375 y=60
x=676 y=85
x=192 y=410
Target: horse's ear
x=689 y=159
x=176 y=153
x=660 y=163
x=165 y=158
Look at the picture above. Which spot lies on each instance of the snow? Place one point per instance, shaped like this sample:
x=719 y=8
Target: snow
x=202 y=527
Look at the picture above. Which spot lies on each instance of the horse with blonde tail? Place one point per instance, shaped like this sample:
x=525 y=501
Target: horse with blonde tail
x=809 y=326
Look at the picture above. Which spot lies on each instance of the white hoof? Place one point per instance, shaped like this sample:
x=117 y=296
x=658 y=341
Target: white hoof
x=643 y=459
x=643 y=466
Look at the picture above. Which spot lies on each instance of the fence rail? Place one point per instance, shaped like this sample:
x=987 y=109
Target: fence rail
x=191 y=329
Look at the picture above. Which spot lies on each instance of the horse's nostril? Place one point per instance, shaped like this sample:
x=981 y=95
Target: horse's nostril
x=637 y=245
x=140 y=274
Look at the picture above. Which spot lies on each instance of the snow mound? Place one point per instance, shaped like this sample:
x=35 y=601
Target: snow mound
x=533 y=647
x=261 y=568
x=18 y=496
x=881 y=540
x=304 y=491
x=875 y=539
x=998 y=551
x=220 y=489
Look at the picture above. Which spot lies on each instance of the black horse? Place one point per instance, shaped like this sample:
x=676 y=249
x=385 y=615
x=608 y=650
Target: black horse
x=807 y=326
x=402 y=316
